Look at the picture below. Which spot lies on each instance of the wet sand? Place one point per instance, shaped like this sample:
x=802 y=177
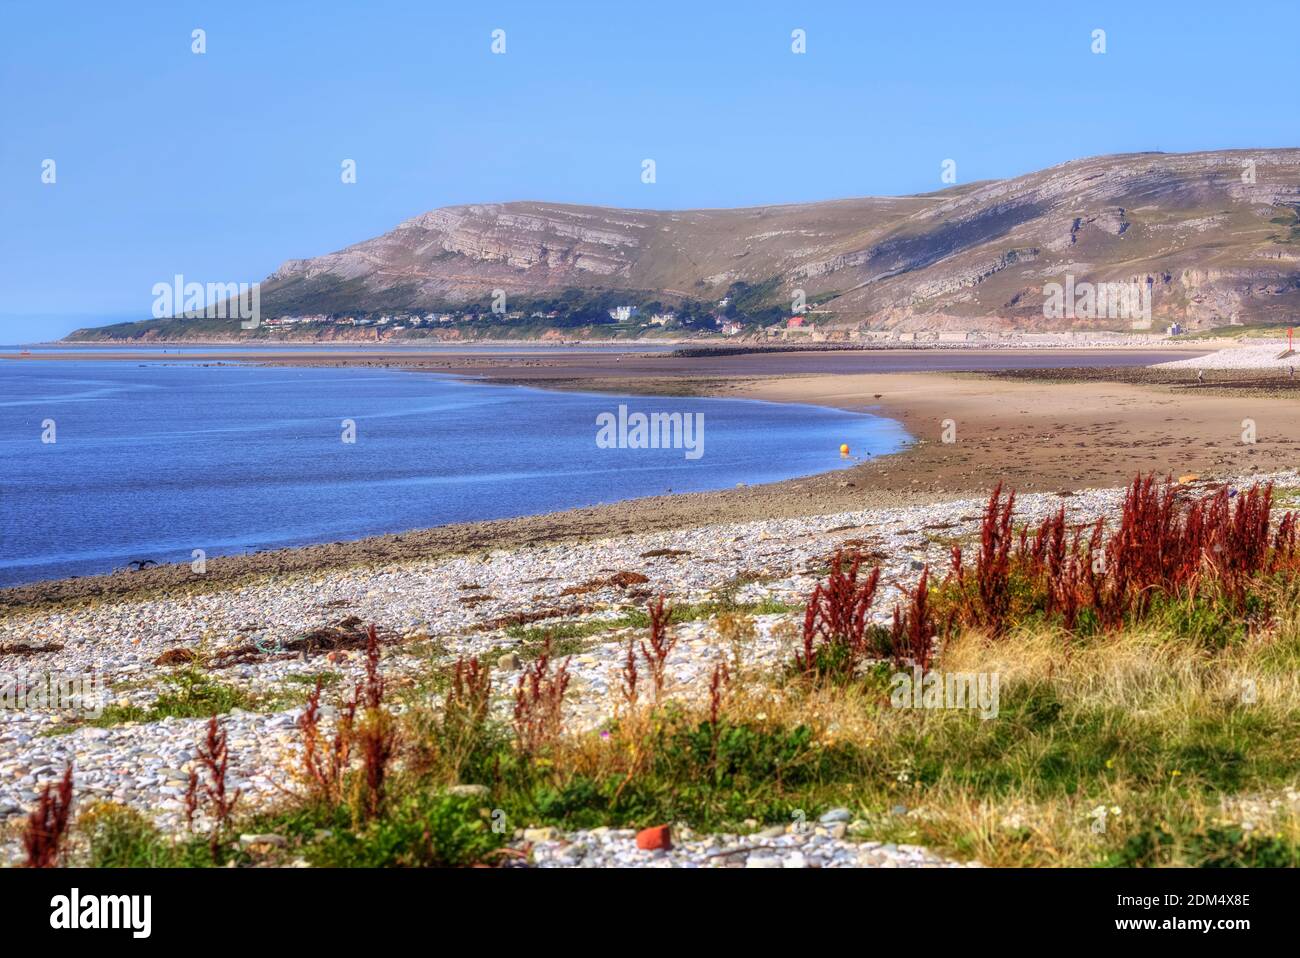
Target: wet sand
x=558 y=364
x=1032 y=434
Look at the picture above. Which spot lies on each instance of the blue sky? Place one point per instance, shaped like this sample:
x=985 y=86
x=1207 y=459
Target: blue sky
x=221 y=166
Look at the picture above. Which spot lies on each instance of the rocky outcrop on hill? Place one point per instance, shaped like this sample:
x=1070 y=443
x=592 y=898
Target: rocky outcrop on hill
x=1216 y=235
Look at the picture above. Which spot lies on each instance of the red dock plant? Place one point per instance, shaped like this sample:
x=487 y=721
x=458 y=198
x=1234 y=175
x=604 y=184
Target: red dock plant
x=376 y=732
x=1239 y=549
x=630 y=693
x=1163 y=546
x=835 y=619
x=468 y=697
x=210 y=787
x=325 y=763
x=661 y=643
x=539 y=703
x=1284 y=543
x=993 y=564
x=717 y=692
x=48 y=824
x=913 y=631
x=364 y=728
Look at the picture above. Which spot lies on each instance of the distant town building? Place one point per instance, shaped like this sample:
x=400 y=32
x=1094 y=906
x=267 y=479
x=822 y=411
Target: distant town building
x=621 y=314
x=295 y=320
x=794 y=328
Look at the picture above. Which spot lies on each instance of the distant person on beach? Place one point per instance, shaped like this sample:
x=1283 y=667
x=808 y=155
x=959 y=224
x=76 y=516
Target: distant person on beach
x=1200 y=375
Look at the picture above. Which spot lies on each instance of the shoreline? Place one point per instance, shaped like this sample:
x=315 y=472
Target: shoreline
x=1070 y=341
x=1059 y=437
x=405 y=354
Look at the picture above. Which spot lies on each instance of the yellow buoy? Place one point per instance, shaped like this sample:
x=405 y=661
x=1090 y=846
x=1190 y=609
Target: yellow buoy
x=844 y=449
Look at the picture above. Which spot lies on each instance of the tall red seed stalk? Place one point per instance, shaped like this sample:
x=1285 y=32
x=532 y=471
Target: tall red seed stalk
x=539 y=703
x=630 y=693
x=717 y=692
x=364 y=727
x=912 y=633
x=1065 y=589
x=836 y=614
x=1160 y=546
x=47 y=825
x=325 y=763
x=993 y=563
x=376 y=733
x=1284 y=543
x=469 y=696
x=660 y=644
x=213 y=759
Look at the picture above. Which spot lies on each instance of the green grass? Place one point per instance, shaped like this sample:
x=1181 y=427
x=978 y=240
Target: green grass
x=1039 y=749
x=1252 y=331
x=419 y=829
x=188 y=693
x=711 y=778
x=563 y=631
x=326 y=678
x=1286 y=497
x=120 y=837
x=1214 y=847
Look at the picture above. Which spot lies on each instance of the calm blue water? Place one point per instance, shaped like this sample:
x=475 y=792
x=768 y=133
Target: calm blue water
x=154 y=461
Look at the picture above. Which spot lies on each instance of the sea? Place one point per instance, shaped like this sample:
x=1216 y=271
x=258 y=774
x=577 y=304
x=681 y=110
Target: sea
x=103 y=464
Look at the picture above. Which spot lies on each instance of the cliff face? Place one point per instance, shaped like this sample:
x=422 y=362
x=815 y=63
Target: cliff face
x=1215 y=236
x=1213 y=245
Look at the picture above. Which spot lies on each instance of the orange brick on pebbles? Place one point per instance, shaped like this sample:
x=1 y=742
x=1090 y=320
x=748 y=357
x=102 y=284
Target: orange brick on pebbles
x=651 y=839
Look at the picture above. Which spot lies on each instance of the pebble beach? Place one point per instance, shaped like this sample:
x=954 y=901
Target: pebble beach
x=430 y=612
x=1267 y=355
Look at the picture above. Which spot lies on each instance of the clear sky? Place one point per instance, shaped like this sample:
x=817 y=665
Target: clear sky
x=220 y=166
